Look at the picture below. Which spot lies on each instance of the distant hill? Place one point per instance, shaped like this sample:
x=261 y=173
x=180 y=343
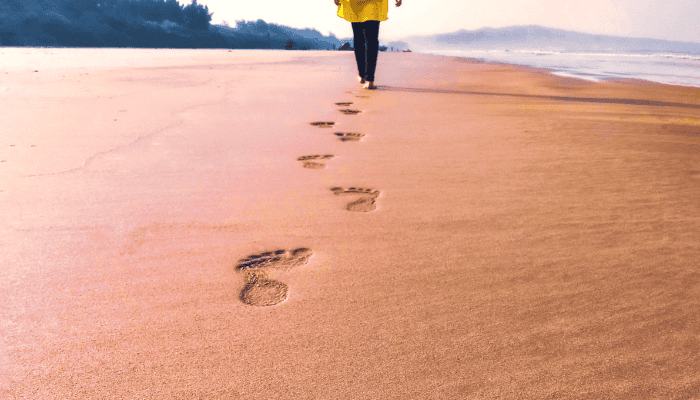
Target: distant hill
x=534 y=37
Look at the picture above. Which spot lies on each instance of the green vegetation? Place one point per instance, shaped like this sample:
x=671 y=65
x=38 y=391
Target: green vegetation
x=139 y=23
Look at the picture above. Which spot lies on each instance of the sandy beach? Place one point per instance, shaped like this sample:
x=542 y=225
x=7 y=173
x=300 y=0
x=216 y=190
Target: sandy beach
x=212 y=224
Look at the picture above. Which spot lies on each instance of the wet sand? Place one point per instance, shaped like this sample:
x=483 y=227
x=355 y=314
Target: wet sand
x=174 y=226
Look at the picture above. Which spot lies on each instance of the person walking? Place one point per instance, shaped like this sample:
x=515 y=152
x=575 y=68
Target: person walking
x=365 y=16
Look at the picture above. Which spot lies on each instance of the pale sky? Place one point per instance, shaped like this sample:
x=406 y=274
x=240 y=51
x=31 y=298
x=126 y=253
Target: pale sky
x=658 y=19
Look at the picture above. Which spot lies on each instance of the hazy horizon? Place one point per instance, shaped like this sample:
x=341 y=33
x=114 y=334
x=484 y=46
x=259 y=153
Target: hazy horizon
x=673 y=20
x=529 y=34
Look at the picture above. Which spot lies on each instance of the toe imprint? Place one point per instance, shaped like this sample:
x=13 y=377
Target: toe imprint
x=349 y=136
x=323 y=124
x=278 y=259
x=350 y=112
x=344 y=104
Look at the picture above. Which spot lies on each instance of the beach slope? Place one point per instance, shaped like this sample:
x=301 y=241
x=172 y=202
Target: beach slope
x=251 y=224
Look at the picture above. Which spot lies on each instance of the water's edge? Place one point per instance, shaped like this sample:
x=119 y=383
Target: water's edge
x=663 y=68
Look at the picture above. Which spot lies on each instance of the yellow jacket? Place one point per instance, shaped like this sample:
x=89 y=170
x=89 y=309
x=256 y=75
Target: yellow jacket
x=363 y=10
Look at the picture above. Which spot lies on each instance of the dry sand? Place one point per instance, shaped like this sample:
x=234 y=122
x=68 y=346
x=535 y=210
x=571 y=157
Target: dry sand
x=477 y=231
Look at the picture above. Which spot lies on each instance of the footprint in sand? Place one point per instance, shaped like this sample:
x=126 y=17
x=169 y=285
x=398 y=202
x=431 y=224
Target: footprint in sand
x=344 y=104
x=323 y=124
x=348 y=111
x=349 y=136
x=261 y=290
x=366 y=202
x=312 y=162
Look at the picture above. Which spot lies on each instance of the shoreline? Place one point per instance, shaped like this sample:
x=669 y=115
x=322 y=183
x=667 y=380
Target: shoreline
x=601 y=100
x=595 y=78
x=590 y=76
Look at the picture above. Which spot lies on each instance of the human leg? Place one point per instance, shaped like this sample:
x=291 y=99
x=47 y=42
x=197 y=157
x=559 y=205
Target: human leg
x=371 y=31
x=359 y=44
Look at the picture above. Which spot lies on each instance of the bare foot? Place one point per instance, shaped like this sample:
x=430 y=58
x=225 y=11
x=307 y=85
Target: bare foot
x=361 y=80
x=369 y=85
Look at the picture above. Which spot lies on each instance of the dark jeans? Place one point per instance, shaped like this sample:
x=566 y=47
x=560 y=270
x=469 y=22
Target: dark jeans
x=366 y=39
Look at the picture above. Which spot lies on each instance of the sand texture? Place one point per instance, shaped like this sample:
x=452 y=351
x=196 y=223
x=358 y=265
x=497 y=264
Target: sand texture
x=213 y=224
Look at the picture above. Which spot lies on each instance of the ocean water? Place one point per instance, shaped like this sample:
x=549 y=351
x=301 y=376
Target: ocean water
x=666 y=68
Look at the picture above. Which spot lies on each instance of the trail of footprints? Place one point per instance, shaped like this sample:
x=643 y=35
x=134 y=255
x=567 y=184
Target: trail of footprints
x=260 y=288
x=12 y=145
x=366 y=198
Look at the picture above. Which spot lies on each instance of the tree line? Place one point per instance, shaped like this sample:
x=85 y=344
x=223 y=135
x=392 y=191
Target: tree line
x=136 y=23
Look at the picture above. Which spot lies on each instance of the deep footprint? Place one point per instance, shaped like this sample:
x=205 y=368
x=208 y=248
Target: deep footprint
x=261 y=291
x=312 y=162
x=367 y=201
x=349 y=136
x=350 y=112
x=323 y=124
x=344 y=104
